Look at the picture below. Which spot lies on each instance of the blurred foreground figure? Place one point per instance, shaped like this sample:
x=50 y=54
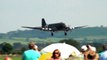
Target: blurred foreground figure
x=7 y=58
x=93 y=55
x=103 y=55
x=73 y=56
x=31 y=54
x=89 y=52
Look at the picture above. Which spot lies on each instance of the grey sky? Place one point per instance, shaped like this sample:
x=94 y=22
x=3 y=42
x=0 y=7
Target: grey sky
x=17 y=13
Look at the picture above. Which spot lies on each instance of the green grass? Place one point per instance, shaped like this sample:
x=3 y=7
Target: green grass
x=13 y=57
x=48 y=40
x=24 y=41
x=17 y=58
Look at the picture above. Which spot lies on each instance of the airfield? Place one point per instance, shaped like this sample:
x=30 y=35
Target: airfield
x=94 y=37
x=47 y=40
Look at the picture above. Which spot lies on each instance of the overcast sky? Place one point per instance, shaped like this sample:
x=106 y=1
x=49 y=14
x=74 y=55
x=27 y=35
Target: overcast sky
x=17 y=13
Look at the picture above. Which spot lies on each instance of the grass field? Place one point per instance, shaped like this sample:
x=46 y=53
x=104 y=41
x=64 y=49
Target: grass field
x=24 y=41
x=47 y=40
x=13 y=57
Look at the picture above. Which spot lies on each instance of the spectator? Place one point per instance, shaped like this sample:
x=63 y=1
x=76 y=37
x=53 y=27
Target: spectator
x=85 y=51
x=103 y=55
x=31 y=54
x=56 y=55
x=93 y=55
x=7 y=58
x=89 y=52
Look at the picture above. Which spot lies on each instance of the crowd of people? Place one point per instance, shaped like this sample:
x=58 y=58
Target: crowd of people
x=88 y=52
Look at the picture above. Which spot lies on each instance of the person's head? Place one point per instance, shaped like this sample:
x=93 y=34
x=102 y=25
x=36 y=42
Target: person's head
x=92 y=53
x=105 y=47
x=84 y=48
x=56 y=54
x=31 y=45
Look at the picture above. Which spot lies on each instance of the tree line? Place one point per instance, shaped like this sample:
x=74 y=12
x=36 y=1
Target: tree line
x=82 y=32
x=18 y=48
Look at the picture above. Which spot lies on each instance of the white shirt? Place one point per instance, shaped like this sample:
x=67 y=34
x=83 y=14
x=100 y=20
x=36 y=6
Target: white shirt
x=103 y=56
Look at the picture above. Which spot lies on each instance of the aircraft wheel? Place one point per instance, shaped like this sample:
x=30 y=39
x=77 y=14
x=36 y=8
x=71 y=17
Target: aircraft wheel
x=65 y=33
x=52 y=34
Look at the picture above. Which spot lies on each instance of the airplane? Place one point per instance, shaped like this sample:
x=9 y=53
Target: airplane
x=53 y=27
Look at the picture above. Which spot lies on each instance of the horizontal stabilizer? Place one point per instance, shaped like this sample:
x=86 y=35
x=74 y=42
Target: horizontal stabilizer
x=32 y=27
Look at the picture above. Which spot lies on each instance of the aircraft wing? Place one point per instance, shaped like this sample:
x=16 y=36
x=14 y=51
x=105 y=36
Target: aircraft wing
x=79 y=27
x=39 y=28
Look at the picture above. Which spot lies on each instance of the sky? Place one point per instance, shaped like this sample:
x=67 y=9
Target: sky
x=17 y=13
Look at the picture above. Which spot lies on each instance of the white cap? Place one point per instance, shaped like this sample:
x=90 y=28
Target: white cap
x=93 y=48
x=84 y=47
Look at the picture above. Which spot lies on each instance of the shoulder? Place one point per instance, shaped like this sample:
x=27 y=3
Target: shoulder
x=30 y=52
x=104 y=53
x=97 y=56
x=27 y=51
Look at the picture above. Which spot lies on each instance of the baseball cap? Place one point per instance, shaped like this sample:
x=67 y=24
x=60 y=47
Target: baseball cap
x=84 y=48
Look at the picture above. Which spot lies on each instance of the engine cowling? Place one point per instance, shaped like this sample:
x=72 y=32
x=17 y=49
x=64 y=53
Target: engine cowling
x=46 y=29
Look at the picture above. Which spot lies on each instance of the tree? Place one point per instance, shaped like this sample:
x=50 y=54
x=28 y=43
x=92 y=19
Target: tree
x=2 y=35
x=23 y=49
x=71 y=42
x=6 y=47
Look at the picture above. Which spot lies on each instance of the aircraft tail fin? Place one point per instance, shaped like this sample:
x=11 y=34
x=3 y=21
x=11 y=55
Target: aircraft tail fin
x=43 y=22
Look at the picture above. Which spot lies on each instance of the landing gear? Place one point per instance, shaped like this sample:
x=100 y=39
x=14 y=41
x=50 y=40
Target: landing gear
x=65 y=33
x=52 y=34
